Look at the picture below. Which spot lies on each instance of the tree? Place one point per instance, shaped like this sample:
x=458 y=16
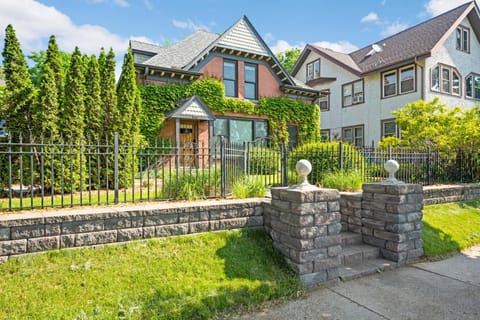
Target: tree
x=127 y=122
x=93 y=101
x=45 y=110
x=18 y=99
x=288 y=58
x=429 y=124
x=73 y=104
x=108 y=91
x=2 y=74
x=59 y=62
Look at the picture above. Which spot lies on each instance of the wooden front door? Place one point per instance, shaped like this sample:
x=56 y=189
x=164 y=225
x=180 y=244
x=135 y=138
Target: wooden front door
x=187 y=144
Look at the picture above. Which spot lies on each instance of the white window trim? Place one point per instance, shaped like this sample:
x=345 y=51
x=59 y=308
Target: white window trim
x=393 y=72
x=462 y=39
x=400 y=79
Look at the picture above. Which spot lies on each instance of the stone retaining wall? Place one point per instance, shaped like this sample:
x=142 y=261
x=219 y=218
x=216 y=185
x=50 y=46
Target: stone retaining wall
x=40 y=231
x=450 y=193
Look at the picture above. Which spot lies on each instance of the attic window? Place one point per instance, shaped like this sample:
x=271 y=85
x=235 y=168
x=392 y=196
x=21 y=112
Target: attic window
x=463 y=39
x=313 y=70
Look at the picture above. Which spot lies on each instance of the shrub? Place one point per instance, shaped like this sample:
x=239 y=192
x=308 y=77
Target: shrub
x=343 y=180
x=248 y=189
x=192 y=185
x=325 y=158
x=263 y=160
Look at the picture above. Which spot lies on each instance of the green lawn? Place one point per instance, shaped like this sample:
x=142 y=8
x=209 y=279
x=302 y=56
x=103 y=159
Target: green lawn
x=450 y=227
x=188 y=277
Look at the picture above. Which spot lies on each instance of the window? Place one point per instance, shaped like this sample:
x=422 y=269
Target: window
x=446 y=79
x=325 y=135
x=352 y=93
x=313 y=70
x=3 y=130
x=390 y=128
x=292 y=135
x=353 y=135
x=472 y=86
x=250 y=81
x=407 y=79
x=463 y=39
x=239 y=130
x=324 y=103
x=399 y=81
x=230 y=78
x=390 y=84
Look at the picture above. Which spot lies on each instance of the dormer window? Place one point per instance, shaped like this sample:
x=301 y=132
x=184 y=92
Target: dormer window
x=463 y=39
x=313 y=70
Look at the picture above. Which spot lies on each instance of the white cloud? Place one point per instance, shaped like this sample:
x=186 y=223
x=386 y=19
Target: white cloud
x=120 y=3
x=371 y=17
x=436 y=7
x=190 y=25
x=283 y=45
x=394 y=28
x=268 y=37
x=35 y=22
x=341 y=46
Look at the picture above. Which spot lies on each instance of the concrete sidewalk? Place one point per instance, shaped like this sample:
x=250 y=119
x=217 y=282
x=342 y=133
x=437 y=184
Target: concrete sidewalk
x=447 y=289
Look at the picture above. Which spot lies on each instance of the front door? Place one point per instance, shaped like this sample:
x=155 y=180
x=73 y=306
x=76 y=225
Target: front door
x=187 y=144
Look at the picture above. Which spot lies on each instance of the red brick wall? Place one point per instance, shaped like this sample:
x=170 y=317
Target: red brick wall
x=168 y=131
x=267 y=83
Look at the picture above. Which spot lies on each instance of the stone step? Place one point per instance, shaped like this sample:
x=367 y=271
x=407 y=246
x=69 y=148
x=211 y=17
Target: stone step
x=369 y=267
x=349 y=238
x=358 y=254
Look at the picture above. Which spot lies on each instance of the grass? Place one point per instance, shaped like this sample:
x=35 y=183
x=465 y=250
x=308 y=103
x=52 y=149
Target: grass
x=243 y=189
x=343 y=180
x=450 y=227
x=189 y=277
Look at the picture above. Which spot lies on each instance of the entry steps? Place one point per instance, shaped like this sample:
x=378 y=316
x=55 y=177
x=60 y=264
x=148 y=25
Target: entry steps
x=359 y=259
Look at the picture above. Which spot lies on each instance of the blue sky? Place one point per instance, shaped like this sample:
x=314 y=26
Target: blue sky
x=342 y=25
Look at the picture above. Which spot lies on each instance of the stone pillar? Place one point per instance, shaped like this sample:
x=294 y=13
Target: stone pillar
x=304 y=224
x=392 y=220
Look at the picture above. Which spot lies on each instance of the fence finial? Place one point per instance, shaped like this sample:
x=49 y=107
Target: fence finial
x=304 y=167
x=392 y=167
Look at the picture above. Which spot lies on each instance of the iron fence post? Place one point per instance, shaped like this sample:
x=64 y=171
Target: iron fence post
x=428 y=166
x=115 y=168
x=340 y=155
x=284 y=164
x=223 y=170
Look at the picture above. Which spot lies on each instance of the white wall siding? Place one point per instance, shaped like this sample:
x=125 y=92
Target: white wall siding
x=465 y=63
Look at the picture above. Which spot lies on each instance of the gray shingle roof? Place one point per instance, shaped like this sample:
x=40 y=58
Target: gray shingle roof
x=180 y=54
x=145 y=47
x=415 y=41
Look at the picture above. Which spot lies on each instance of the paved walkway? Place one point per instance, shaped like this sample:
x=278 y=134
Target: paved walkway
x=447 y=289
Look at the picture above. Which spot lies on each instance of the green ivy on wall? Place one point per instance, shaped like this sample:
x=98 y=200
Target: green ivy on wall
x=159 y=100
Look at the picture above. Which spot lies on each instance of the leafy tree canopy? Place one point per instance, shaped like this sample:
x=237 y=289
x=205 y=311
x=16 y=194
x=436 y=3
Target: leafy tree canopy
x=288 y=58
x=39 y=58
x=432 y=124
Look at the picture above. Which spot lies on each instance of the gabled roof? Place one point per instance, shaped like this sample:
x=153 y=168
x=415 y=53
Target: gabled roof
x=240 y=39
x=182 y=53
x=191 y=108
x=416 y=42
x=145 y=47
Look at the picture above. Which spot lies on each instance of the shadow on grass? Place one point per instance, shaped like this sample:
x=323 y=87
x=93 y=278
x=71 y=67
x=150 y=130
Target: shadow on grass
x=254 y=272
x=436 y=242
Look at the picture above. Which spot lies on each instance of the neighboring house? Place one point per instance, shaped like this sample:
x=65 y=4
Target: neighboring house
x=437 y=58
x=241 y=59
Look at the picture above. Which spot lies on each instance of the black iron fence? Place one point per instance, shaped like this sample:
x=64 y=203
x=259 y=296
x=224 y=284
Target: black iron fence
x=40 y=174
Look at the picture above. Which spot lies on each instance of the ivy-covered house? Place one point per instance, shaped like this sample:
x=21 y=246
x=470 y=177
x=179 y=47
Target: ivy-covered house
x=227 y=84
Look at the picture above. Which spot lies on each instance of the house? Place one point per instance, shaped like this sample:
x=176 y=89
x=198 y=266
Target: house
x=436 y=58
x=241 y=59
